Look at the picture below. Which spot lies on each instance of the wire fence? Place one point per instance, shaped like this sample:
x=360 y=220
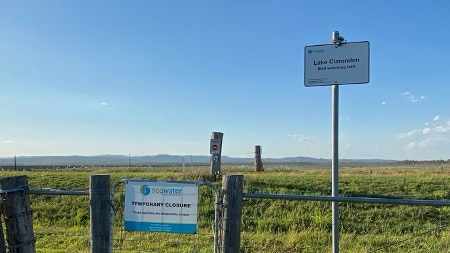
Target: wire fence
x=67 y=229
x=305 y=226
x=268 y=225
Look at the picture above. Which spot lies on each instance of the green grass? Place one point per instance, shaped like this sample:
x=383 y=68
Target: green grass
x=61 y=223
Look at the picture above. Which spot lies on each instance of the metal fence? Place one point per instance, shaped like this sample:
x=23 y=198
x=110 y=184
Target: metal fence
x=302 y=223
x=288 y=229
x=69 y=230
x=297 y=232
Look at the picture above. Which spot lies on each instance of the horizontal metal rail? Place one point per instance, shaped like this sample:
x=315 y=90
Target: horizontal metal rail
x=57 y=192
x=395 y=201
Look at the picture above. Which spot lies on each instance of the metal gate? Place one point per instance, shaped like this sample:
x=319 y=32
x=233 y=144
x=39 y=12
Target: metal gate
x=205 y=239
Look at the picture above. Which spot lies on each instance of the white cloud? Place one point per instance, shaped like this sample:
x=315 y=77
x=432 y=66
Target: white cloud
x=422 y=144
x=442 y=129
x=411 y=145
x=411 y=98
x=104 y=103
x=426 y=130
x=409 y=134
x=427 y=142
x=383 y=102
x=432 y=139
x=8 y=142
x=301 y=137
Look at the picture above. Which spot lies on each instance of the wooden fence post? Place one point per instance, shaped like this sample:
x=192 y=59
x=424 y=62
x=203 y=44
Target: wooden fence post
x=258 y=161
x=100 y=202
x=2 y=238
x=17 y=214
x=232 y=213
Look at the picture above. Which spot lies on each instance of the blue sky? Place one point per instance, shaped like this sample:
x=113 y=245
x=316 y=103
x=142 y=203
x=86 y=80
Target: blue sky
x=157 y=77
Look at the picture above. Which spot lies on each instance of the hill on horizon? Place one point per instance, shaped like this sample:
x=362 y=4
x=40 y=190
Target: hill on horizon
x=123 y=160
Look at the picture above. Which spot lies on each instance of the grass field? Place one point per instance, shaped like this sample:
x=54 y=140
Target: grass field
x=61 y=223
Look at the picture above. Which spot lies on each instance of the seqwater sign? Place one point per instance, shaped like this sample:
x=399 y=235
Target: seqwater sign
x=330 y=64
x=161 y=206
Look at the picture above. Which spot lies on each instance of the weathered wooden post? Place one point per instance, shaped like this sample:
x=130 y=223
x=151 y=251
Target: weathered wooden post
x=17 y=214
x=100 y=201
x=215 y=149
x=2 y=239
x=258 y=161
x=232 y=212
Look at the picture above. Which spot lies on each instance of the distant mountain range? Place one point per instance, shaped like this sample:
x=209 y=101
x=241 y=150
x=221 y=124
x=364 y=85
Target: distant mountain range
x=123 y=160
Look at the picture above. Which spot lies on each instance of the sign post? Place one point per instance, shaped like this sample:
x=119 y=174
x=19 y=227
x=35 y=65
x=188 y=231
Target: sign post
x=215 y=149
x=335 y=64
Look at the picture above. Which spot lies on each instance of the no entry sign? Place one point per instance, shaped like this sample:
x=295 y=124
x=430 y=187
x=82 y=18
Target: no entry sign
x=215 y=147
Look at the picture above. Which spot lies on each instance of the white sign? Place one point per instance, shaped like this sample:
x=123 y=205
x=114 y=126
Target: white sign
x=332 y=64
x=160 y=206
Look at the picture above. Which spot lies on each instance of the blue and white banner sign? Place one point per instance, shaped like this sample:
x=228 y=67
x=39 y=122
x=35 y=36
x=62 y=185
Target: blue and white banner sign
x=160 y=206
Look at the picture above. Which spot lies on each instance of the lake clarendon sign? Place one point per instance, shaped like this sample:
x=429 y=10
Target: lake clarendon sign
x=330 y=64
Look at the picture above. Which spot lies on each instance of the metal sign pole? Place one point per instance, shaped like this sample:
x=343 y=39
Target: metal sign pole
x=335 y=160
x=335 y=166
x=335 y=64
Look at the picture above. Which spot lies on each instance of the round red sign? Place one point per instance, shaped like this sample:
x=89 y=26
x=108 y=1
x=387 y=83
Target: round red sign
x=214 y=147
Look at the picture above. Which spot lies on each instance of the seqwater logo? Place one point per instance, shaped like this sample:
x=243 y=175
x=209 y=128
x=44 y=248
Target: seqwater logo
x=174 y=191
x=145 y=190
x=167 y=191
x=318 y=51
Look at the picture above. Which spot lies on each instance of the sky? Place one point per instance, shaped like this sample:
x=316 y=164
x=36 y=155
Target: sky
x=158 y=77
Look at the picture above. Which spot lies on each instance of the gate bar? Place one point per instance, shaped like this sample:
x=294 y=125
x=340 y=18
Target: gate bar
x=395 y=201
x=57 y=192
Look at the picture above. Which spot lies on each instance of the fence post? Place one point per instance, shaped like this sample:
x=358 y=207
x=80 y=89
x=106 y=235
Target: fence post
x=17 y=214
x=258 y=161
x=232 y=212
x=2 y=239
x=100 y=202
